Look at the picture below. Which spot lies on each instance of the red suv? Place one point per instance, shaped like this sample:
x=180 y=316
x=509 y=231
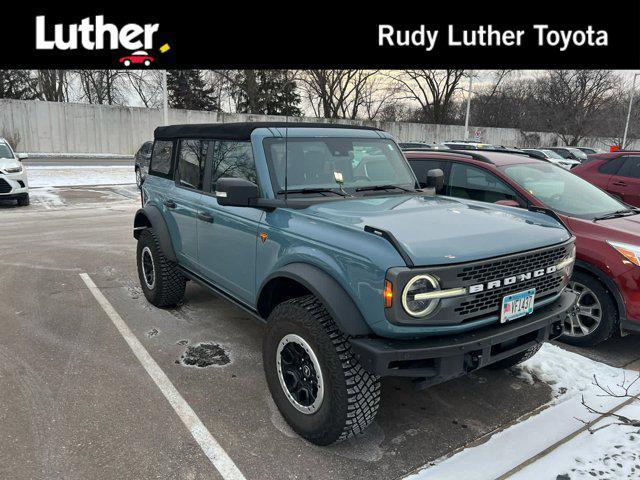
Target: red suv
x=607 y=271
x=618 y=173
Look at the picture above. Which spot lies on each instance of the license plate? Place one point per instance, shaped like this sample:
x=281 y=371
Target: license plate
x=517 y=305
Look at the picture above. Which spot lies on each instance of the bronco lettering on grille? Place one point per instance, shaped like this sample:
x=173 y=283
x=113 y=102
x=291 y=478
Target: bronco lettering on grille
x=521 y=277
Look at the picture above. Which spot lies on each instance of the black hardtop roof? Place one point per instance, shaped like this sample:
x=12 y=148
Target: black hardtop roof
x=238 y=131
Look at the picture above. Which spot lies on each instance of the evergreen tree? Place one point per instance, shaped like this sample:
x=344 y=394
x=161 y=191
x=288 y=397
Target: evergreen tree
x=17 y=84
x=188 y=90
x=267 y=92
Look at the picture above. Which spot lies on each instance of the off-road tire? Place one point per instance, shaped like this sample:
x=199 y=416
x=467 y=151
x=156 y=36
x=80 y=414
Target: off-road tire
x=351 y=394
x=609 y=323
x=169 y=286
x=514 y=360
x=23 y=201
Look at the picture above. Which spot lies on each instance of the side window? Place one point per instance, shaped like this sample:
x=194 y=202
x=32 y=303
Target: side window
x=474 y=183
x=191 y=160
x=631 y=167
x=422 y=167
x=161 y=158
x=234 y=160
x=612 y=166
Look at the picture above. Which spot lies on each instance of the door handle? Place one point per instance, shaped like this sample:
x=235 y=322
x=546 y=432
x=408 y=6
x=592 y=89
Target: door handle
x=205 y=217
x=169 y=204
x=620 y=184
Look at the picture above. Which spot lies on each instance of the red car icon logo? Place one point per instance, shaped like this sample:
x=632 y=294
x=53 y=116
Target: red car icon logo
x=136 y=58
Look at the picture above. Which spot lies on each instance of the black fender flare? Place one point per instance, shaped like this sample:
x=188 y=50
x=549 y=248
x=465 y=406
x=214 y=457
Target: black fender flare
x=611 y=286
x=150 y=216
x=335 y=299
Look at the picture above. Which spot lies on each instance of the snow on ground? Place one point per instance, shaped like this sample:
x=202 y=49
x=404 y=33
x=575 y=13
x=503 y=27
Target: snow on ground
x=81 y=175
x=571 y=376
x=612 y=452
x=36 y=155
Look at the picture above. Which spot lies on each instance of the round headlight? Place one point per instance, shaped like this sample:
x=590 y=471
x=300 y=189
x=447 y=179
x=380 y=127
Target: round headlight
x=417 y=285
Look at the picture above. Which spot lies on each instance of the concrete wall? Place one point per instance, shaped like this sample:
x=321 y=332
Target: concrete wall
x=52 y=127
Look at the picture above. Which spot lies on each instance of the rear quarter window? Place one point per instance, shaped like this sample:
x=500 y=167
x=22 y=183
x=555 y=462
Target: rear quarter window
x=162 y=159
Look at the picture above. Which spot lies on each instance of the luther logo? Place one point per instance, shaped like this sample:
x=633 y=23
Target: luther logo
x=96 y=34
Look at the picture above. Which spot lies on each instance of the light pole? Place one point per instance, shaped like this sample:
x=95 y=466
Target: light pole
x=165 y=99
x=626 y=126
x=466 y=119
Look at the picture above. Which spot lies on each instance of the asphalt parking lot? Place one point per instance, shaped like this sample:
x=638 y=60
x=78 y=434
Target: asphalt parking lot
x=77 y=403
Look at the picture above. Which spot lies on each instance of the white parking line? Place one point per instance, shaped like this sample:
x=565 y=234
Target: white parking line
x=212 y=449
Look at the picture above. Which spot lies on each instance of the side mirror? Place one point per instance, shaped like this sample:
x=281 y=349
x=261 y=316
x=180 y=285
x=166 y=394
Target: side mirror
x=22 y=156
x=508 y=203
x=236 y=192
x=435 y=179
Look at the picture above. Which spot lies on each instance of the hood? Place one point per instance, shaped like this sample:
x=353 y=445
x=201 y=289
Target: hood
x=8 y=163
x=623 y=229
x=442 y=230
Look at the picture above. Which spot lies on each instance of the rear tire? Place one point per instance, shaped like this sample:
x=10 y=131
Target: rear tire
x=324 y=407
x=161 y=281
x=23 y=201
x=595 y=316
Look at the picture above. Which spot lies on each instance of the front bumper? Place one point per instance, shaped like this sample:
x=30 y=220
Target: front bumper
x=13 y=185
x=438 y=359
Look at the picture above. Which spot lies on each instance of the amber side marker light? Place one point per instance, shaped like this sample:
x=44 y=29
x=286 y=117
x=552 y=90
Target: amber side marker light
x=388 y=294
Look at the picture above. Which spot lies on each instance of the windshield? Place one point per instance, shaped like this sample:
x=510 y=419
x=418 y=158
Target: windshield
x=578 y=153
x=5 y=151
x=552 y=154
x=325 y=163
x=563 y=191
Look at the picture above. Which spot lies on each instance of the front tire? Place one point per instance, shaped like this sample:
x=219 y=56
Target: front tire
x=161 y=281
x=594 y=317
x=315 y=380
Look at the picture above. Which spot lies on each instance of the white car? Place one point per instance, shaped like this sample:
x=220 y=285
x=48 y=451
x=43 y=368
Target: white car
x=552 y=157
x=13 y=176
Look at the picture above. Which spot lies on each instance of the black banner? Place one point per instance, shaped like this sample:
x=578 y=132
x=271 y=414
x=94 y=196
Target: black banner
x=479 y=35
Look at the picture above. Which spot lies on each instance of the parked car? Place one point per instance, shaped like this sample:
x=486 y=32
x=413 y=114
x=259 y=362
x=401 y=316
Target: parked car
x=137 y=58
x=589 y=150
x=321 y=232
x=607 y=272
x=570 y=153
x=13 y=175
x=618 y=173
x=141 y=162
x=552 y=157
x=467 y=145
x=417 y=146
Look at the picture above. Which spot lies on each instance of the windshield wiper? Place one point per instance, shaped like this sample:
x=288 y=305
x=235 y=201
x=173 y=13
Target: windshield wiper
x=312 y=190
x=618 y=213
x=383 y=187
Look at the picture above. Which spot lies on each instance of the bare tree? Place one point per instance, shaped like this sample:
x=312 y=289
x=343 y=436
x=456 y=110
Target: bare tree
x=52 y=85
x=102 y=87
x=17 y=84
x=432 y=90
x=572 y=99
x=147 y=85
x=345 y=93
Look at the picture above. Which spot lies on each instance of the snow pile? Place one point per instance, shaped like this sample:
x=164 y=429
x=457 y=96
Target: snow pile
x=35 y=155
x=571 y=376
x=567 y=372
x=71 y=176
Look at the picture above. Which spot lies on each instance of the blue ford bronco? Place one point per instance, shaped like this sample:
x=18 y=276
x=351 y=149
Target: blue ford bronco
x=322 y=232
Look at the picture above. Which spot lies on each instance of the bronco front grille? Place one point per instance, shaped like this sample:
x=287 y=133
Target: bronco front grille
x=510 y=266
x=489 y=302
x=4 y=186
